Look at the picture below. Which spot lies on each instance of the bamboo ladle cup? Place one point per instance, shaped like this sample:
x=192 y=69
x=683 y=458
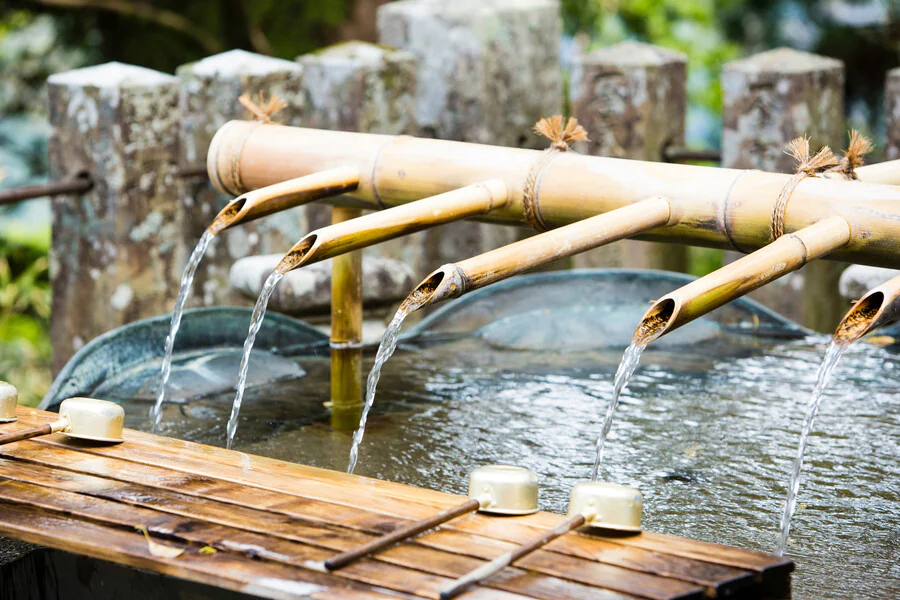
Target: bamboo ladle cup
x=493 y=489
x=9 y=397
x=79 y=418
x=593 y=503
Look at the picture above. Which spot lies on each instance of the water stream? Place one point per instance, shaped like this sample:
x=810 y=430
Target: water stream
x=630 y=361
x=832 y=356
x=386 y=348
x=187 y=278
x=259 y=313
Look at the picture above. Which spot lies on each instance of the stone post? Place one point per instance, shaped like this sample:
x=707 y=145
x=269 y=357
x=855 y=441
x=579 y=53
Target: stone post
x=771 y=98
x=488 y=70
x=208 y=98
x=631 y=98
x=892 y=114
x=116 y=254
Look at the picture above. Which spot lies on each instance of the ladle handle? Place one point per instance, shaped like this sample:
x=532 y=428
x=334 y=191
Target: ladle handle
x=26 y=434
x=505 y=560
x=398 y=535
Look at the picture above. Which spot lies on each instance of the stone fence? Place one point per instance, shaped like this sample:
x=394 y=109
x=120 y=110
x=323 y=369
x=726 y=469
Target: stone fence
x=472 y=71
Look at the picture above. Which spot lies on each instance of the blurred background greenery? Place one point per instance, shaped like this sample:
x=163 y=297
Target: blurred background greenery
x=40 y=37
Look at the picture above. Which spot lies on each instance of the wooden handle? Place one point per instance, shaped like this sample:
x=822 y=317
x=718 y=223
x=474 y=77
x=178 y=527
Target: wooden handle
x=398 y=535
x=505 y=560
x=26 y=434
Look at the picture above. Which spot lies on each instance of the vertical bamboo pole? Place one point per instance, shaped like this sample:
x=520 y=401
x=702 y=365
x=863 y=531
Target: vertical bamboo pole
x=346 y=332
x=631 y=97
x=771 y=98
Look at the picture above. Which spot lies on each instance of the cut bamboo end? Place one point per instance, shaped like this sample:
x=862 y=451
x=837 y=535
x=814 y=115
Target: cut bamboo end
x=879 y=307
x=285 y=195
x=785 y=255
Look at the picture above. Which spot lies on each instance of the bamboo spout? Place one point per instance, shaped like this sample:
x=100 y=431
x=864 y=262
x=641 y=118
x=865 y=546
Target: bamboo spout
x=880 y=306
x=887 y=173
x=452 y=280
x=785 y=255
x=284 y=195
x=388 y=224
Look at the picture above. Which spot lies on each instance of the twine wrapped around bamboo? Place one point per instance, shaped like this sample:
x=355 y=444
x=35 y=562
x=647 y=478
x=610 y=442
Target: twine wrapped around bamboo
x=807 y=166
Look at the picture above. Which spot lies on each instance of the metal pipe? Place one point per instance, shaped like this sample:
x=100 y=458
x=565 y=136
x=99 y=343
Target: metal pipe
x=77 y=184
x=785 y=255
x=456 y=279
x=879 y=307
x=346 y=332
x=714 y=207
x=284 y=195
x=386 y=225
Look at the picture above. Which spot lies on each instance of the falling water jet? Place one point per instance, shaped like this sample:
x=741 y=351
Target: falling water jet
x=455 y=279
x=248 y=207
x=785 y=255
x=878 y=307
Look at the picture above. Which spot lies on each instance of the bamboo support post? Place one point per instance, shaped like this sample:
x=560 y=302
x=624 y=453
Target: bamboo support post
x=711 y=206
x=208 y=97
x=631 y=97
x=452 y=280
x=346 y=332
x=879 y=307
x=785 y=255
x=769 y=99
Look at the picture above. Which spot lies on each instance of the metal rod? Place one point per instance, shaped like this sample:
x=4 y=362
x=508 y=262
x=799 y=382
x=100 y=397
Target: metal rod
x=403 y=533
x=712 y=206
x=77 y=184
x=785 y=255
x=507 y=559
x=346 y=332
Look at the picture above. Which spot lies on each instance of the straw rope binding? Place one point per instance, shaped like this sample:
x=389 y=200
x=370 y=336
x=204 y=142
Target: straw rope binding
x=560 y=136
x=264 y=109
x=807 y=166
x=854 y=156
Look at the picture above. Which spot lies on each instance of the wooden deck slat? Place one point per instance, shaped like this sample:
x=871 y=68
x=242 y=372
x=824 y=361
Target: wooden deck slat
x=653 y=563
x=232 y=534
x=292 y=515
x=329 y=486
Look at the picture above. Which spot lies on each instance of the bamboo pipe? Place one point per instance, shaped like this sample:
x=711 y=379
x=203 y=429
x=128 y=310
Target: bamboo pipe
x=456 y=279
x=879 y=307
x=723 y=208
x=386 y=225
x=785 y=255
x=346 y=332
x=886 y=173
x=284 y=195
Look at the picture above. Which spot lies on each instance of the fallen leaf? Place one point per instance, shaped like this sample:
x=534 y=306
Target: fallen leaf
x=159 y=550
x=207 y=550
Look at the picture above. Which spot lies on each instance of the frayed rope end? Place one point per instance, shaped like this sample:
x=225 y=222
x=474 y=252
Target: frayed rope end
x=263 y=110
x=561 y=135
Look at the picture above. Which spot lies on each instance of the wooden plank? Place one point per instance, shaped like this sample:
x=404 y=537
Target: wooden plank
x=223 y=569
x=259 y=536
x=480 y=547
x=201 y=475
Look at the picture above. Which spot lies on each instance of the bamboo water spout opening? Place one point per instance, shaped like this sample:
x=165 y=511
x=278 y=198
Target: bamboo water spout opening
x=388 y=224
x=284 y=195
x=785 y=255
x=455 y=279
x=880 y=306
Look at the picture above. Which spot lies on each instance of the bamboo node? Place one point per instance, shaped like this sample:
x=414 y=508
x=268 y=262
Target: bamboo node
x=561 y=136
x=807 y=166
x=263 y=109
x=854 y=156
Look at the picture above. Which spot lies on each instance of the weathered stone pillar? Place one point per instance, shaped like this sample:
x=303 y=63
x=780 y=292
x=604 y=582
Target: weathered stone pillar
x=208 y=98
x=488 y=70
x=356 y=86
x=116 y=252
x=631 y=98
x=892 y=114
x=770 y=99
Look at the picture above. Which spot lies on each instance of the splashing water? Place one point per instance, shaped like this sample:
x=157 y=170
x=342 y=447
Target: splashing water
x=187 y=278
x=259 y=313
x=832 y=356
x=388 y=345
x=630 y=361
